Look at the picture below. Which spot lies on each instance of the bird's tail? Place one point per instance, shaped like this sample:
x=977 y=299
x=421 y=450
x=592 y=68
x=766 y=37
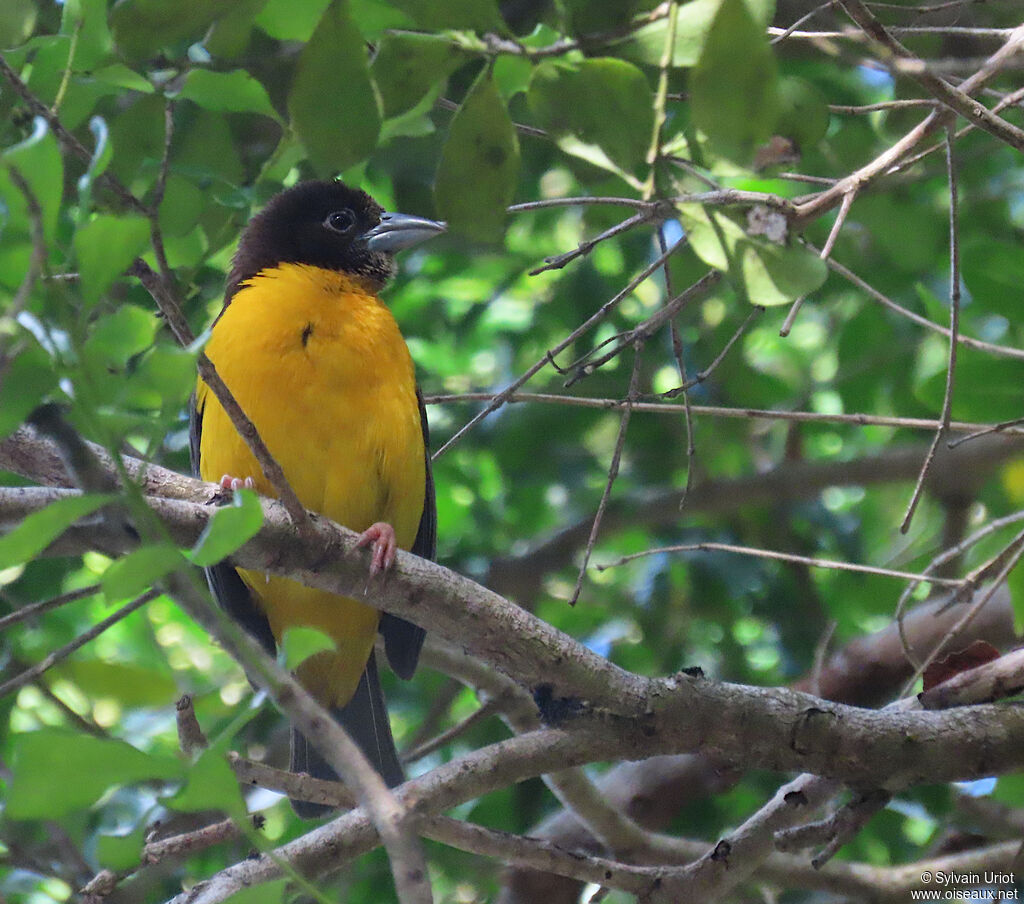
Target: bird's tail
x=365 y=718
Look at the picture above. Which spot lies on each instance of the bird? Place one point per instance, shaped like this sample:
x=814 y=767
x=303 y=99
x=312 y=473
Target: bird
x=317 y=362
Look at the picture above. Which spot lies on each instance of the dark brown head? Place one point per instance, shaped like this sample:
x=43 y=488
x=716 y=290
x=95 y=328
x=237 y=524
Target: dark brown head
x=329 y=225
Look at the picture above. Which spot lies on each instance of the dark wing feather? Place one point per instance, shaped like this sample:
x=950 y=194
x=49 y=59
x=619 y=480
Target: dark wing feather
x=402 y=639
x=227 y=587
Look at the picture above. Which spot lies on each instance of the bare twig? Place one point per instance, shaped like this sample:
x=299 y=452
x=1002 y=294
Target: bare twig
x=785 y=557
x=613 y=471
x=956 y=99
x=1000 y=350
x=190 y=735
x=33 y=610
x=499 y=399
x=954 y=332
x=837 y=226
x=62 y=653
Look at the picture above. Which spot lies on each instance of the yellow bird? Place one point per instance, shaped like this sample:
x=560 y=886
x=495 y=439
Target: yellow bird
x=318 y=364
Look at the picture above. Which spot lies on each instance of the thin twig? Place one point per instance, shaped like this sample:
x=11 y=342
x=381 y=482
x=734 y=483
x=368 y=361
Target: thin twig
x=794 y=309
x=755 y=312
x=499 y=399
x=24 y=613
x=769 y=414
x=584 y=248
x=677 y=353
x=886 y=105
x=62 y=653
x=968 y=616
x=65 y=137
x=485 y=711
x=585 y=365
x=844 y=210
x=954 y=332
x=779 y=38
x=977 y=344
x=613 y=471
x=956 y=99
x=785 y=557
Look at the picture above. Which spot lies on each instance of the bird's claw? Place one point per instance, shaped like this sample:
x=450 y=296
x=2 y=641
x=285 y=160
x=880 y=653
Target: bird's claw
x=227 y=482
x=385 y=546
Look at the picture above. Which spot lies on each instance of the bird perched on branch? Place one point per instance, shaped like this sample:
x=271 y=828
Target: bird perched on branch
x=317 y=363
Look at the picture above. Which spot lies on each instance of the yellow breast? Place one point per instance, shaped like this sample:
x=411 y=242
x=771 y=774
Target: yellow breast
x=320 y=367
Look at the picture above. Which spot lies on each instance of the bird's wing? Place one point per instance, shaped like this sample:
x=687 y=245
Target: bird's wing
x=227 y=587
x=403 y=639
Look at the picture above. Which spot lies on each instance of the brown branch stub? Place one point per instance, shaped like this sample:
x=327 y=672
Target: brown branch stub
x=190 y=734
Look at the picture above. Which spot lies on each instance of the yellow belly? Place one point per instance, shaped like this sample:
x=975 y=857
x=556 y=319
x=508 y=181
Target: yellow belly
x=319 y=366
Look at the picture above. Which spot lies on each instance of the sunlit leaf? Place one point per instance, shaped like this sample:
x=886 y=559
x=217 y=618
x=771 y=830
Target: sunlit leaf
x=139 y=570
x=30 y=376
x=57 y=772
x=41 y=528
x=210 y=784
x=105 y=246
x=603 y=102
x=227 y=92
x=121 y=852
x=734 y=95
x=767 y=273
x=231 y=526
x=300 y=642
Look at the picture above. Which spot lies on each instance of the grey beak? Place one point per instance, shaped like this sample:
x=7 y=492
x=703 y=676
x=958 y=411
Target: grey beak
x=400 y=230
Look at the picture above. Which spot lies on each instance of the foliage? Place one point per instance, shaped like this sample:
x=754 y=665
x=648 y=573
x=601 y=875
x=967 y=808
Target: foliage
x=689 y=115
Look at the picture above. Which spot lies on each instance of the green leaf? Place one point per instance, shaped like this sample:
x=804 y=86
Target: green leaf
x=17 y=20
x=734 y=95
x=143 y=28
x=104 y=247
x=994 y=273
x=120 y=76
x=288 y=20
x=58 y=772
x=163 y=379
x=227 y=92
x=118 y=852
x=987 y=387
x=41 y=528
x=300 y=642
x=465 y=15
x=476 y=179
x=766 y=273
x=230 y=527
x=803 y=112
x=603 y=102
x=88 y=18
x=647 y=43
x=129 y=684
x=332 y=103
x=512 y=75
x=39 y=163
x=117 y=337
x=29 y=377
x=210 y=784
x=407 y=66
x=139 y=570
x=1015 y=584
x=267 y=893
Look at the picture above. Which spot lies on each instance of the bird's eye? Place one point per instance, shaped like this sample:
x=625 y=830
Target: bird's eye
x=340 y=221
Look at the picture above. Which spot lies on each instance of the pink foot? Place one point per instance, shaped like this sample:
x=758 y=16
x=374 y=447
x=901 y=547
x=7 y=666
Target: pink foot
x=382 y=536
x=228 y=482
